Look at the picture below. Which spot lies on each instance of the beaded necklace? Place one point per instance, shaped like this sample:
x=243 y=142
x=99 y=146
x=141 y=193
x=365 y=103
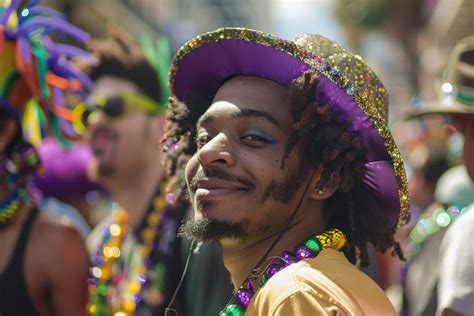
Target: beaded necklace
x=104 y=282
x=309 y=248
x=430 y=224
x=14 y=172
x=10 y=206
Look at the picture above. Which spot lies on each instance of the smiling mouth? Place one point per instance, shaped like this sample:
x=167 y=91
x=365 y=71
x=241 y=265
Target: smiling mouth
x=216 y=188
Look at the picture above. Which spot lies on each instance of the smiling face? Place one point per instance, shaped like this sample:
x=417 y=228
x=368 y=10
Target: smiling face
x=235 y=181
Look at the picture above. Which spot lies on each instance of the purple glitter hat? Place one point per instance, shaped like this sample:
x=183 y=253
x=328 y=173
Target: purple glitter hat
x=346 y=83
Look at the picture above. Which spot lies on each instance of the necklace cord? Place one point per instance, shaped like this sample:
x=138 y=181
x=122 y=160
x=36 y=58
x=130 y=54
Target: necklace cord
x=282 y=232
x=169 y=310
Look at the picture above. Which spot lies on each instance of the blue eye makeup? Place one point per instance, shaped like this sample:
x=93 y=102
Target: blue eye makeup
x=256 y=134
x=252 y=137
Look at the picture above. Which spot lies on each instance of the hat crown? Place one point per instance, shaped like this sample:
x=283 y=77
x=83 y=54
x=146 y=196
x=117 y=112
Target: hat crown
x=460 y=71
x=352 y=67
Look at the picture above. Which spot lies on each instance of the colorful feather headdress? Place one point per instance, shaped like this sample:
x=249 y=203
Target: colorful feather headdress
x=35 y=71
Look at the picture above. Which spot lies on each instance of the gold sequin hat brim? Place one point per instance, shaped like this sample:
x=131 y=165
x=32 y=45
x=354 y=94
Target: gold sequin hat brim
x=346 y=83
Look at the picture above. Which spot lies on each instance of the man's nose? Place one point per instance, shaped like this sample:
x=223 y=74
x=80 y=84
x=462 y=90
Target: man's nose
x=217 y=152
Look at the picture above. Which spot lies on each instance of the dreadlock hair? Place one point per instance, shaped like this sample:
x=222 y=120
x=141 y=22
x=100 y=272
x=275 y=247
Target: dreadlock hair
x=328 y=142
x=120 y=57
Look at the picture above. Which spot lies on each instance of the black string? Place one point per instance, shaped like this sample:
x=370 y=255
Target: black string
x=287 y=224
x=281 y=232
x=169 y=308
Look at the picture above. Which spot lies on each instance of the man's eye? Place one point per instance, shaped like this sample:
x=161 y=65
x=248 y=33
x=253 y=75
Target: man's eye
x=257 y=135
x=254 y=138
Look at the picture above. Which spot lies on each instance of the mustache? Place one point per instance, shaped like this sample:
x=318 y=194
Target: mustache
x=204 y=174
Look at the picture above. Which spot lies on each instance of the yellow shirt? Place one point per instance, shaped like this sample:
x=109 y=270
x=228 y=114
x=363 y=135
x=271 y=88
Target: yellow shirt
x=326 y=285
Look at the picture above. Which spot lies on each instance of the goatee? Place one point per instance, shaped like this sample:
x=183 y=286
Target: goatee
x=211 y=230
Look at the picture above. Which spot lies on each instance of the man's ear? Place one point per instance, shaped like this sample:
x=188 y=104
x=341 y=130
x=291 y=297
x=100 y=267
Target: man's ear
x=315 y=192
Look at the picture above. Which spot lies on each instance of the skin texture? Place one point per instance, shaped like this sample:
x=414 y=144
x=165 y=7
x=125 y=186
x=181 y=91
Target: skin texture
x=466 y=126
x=56 y=262
x=126 y=150
x=234 y=142
x=451 y=312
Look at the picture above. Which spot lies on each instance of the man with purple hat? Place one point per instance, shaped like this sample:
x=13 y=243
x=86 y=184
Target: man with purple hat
x=283 y=149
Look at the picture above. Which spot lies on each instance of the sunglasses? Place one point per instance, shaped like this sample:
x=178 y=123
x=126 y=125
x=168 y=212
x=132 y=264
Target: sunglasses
x=113 y=108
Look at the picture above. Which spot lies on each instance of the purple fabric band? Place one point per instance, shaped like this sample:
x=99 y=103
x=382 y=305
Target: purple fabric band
x=204 y=69
x=380 y=180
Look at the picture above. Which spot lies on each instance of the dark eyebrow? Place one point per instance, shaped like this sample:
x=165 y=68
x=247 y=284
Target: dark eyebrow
x=243 y=113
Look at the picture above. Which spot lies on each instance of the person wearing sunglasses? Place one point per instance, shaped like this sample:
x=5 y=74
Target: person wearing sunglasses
x=113 y=107
x=134 y=253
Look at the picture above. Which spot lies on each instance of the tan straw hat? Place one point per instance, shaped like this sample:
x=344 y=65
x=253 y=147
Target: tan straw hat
x=457 y=92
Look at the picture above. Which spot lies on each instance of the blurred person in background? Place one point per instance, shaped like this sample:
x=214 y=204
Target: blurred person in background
x=43 y=261
x=455 y=284
x=134 y=250
x=428 y=163
x=268 y=140
x=454 y=192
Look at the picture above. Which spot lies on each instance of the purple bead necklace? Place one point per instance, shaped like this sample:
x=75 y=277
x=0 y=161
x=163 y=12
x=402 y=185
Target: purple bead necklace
x=309 y=248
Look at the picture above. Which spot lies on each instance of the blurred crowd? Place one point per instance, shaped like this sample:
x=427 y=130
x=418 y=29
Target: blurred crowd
x=89 y=216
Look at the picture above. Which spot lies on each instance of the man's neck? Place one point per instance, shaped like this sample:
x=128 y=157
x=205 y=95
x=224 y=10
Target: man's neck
x=241 y=261
x=134 y=191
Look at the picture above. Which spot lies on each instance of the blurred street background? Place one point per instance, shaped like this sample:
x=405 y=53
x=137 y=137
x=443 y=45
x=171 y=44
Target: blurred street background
x=407 y=42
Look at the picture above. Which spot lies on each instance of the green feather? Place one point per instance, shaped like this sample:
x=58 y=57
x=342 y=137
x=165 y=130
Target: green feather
x=8 y=85
x=159 y=55
x=163 y=63
x=40 y=114
x=55 y=125
x=41 y=67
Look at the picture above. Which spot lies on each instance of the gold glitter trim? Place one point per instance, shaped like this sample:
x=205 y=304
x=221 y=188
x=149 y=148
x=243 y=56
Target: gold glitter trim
x=346 y=70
